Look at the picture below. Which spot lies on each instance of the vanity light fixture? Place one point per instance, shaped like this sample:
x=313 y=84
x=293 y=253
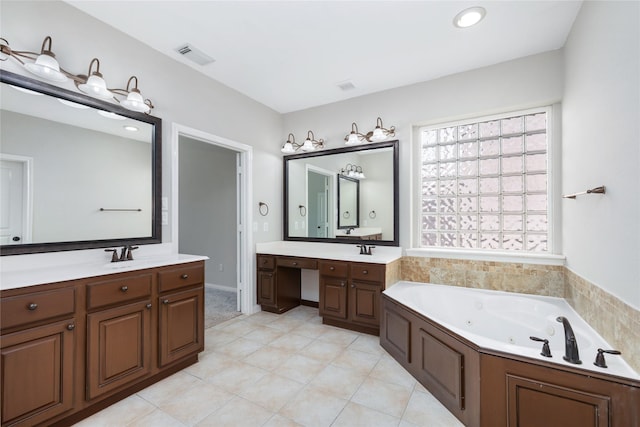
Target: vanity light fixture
x=352 y=171
x=310 y=144
x=46 y=66
x=380 y=133
x=469 y=17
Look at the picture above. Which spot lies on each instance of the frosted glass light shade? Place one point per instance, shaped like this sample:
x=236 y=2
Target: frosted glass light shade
x=47 y=67
x=378 y=134
x=353 y=139
x=307 y=146
x=96 y=86
x=135 y=102
x=287 y=148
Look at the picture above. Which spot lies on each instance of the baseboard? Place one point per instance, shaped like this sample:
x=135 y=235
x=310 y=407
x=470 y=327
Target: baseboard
x=220 y=287
x=309 y=303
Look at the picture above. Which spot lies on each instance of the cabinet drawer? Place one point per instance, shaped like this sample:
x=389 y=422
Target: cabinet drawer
x=311 y=264
x=180 y=278
x=333 y=268
x=37 y=306
x=266 y=262
x=370 y=272
x=100 y=294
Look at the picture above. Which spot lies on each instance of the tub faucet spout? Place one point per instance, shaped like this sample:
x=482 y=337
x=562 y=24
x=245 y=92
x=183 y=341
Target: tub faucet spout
x=570 y=343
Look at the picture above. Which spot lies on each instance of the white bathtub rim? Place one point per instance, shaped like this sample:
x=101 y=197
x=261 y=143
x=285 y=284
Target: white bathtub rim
x=617 y=366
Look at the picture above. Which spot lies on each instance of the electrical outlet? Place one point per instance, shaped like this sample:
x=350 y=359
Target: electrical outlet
x=165 y=203
x=220 y=267
x=265 y=226
x=165 y=218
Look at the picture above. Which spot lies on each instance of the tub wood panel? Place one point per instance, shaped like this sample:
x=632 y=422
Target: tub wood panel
x=485 y=388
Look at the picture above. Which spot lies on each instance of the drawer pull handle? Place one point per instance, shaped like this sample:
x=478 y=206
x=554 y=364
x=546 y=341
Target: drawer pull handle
x=353 y=286
x=365 y=272
x=184 y=276
x=148 y=305
x=342 y=284
x=71 y=326
x=332 y=268
x=124 y=288
x=165 y=301
x=295 y=263
x=32 y=306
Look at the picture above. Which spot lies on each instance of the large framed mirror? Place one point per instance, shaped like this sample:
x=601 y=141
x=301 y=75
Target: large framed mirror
x=77 y=172
x=343 y=195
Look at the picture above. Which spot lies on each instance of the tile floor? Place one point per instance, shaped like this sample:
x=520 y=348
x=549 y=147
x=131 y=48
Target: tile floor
x=283 y=370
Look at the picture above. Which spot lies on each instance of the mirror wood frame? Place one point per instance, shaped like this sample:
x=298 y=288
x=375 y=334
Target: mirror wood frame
x=156 y=169
x=396 y=188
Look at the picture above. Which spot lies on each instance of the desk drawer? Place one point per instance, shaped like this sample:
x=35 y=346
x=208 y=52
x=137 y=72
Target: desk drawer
x=333 y=268
x=114 y=291
x=37 y=306
x=369 y=272
x=266 y=262
x=180 y=277
x=292 y=262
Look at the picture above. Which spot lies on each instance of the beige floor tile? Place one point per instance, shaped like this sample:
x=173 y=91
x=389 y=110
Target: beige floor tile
x=211 y=364
x=272 y=392
x=338 y=382
x=279 y=421
x=239 y=327
x=301 y=368
x=263 y=335
x=267 y=357
x=237 y=413
x=322 y=351
x=357 y=361
x=311 y=330
x=354 y=415
x=368 y=344
x=425 y=410
x=302 y=312
x=291 y=342
x=239 y=348
x=190 y=407
x=285 y=324
x=388 y=370
x=164 y=391
x=313 y=408
x=338 y=336
x=120 y=414
x=156 y=418
x=214 y=338
x=262 y=318
x=237 y=378
x=385 y=397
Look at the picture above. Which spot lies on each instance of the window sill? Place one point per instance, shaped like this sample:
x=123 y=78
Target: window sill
x=521 y=258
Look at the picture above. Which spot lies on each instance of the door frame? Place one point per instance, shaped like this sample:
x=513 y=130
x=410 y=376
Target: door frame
x=27 y=193
x=245 y=259
x=331 y=200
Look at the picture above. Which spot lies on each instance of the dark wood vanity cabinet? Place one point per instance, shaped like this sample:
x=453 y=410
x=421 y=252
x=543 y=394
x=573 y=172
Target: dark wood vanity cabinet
x=71 y=348
x=350 y=294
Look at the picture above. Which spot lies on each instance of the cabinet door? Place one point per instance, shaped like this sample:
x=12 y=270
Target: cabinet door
x=37 y=373
x=364 y=303
x=266 y=288
x=333 y=297
x=118 y=347
x=181 y=329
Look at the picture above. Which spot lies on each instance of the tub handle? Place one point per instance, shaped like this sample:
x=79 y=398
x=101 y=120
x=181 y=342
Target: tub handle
x=546 y=351
x=600 y=362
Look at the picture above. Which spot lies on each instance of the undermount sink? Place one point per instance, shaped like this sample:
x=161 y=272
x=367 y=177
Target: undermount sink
x=134 y=263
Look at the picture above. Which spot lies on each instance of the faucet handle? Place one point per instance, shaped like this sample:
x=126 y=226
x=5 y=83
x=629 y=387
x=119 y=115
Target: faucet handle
x=600 y=362
x=114 y=255
x=369 y=251
x=129 y=254
x=546 y=351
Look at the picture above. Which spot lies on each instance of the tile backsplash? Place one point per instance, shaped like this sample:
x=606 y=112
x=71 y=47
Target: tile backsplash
x=617 y=322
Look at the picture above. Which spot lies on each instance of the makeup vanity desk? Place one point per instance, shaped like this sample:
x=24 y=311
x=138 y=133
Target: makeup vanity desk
x=349 y=283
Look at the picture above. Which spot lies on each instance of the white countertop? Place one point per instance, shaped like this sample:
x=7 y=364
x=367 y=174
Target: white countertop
x=335 y=251
x=37 y=276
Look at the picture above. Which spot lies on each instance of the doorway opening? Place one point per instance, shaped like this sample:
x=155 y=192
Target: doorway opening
x=320 y=201
x=211 y=192
x=16 y=199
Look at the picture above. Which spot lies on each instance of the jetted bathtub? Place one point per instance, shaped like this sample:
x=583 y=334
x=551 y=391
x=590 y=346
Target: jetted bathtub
x=472 y=349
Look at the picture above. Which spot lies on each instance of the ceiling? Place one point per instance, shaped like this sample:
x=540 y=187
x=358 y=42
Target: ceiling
x=291 y=55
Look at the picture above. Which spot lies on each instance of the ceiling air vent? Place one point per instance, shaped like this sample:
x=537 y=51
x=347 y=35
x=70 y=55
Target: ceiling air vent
x=346 y=85
x=195 y=55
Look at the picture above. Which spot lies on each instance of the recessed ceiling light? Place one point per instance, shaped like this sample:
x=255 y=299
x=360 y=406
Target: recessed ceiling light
x=130 y=128
x=469 y=17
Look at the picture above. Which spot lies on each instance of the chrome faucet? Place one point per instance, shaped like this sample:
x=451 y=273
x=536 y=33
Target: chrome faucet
x=570 y=343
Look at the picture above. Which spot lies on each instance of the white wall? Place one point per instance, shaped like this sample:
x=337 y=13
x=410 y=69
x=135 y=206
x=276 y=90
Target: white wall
x=601 y=146
x=208 y=208
x=532 y=81
x=180 y=94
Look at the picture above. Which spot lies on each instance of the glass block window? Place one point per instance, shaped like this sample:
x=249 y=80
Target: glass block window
x=484 y=183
